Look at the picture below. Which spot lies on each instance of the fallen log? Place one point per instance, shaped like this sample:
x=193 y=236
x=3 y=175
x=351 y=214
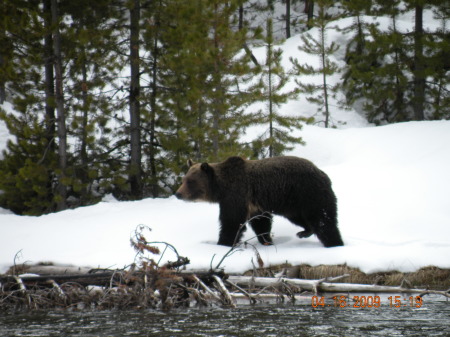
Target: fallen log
x=226 y=296
x=98 y=279
x=101 y=277
x=251 y=297
x=324 y=285
x=54 y=270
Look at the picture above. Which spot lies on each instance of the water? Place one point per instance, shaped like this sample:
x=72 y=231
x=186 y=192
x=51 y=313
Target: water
x=431 y=319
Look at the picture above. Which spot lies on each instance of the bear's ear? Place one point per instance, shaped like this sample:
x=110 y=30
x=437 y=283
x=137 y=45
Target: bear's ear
x=205 y=167
x=190 y=163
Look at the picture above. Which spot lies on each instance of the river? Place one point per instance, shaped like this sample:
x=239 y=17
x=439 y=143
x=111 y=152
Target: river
x=431 y=317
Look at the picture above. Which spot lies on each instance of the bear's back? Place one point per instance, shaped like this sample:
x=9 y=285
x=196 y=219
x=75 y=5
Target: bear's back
x=277 y=165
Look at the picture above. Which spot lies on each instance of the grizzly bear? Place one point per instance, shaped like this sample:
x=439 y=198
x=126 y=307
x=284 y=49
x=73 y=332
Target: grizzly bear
x=252 y=190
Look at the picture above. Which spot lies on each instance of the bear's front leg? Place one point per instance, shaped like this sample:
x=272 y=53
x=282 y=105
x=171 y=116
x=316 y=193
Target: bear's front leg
x=232 y=224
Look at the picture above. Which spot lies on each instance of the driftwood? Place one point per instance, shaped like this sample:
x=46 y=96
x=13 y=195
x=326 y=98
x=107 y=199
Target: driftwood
x=98 y=279
x=228 y=300
x=164 y=288
x=325 y=285
x=50 y=269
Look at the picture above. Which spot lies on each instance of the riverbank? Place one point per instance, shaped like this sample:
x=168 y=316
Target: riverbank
x=430 y=277
x=37 y=287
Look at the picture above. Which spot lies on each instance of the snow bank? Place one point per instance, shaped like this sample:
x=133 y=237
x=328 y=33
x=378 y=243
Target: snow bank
x=394 y=213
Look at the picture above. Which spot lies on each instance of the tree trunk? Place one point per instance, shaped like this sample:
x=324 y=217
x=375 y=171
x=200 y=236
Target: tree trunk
x=153 y=141
x=288 y=19
x=2 y=83
x=135 y=173
x=218 y=90
x=2 y=50
x=50 y=118
x=271 y=135
x=84 y=177
x=419 y=77
x=309 y=10
x=324 y=75
x=270 y=75
x=241 y=17
x=60 y=109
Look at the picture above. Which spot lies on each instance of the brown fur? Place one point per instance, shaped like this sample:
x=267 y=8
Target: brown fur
x=253 y=190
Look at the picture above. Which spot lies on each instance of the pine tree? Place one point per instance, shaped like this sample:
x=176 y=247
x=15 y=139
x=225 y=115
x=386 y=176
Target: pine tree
x=439 y=61
x=182 y=31
x=135 y=173
x=6 y=47
x=229 y=74
x=208 y=71
x=356 y=53
x=26 y=175
x=425 y=46
x=61 y=115
x=398 y=74
x=27 y=170
x=378 y=75
x=273 y=79
x=93 y=63
x=79 y=172
x=319 y=94
x=151 y=39
x=157 y=122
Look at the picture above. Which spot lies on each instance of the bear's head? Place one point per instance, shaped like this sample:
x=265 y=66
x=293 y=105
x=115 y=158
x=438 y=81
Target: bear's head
x=197 y=183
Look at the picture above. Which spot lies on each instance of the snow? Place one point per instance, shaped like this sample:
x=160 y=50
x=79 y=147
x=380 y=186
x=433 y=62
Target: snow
x=394 y=212
x=391 y=181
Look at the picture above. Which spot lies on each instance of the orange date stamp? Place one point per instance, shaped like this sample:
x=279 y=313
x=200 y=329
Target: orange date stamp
x=366 y=302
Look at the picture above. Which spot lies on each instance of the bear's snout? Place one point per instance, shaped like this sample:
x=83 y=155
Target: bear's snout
x=181 y=192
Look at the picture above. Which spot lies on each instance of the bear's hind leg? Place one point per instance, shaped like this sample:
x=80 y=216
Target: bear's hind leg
x=305 y=234
x=262 y=225
x=328 y=234
x=300 y=221
x=325 y=229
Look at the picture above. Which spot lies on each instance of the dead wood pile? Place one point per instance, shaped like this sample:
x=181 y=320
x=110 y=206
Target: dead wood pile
x=146 y=284
x=164 y=288
x=104 y=289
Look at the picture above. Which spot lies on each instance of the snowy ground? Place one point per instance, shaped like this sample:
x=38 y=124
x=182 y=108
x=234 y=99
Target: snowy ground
x=392 y=184
x=394 y=212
